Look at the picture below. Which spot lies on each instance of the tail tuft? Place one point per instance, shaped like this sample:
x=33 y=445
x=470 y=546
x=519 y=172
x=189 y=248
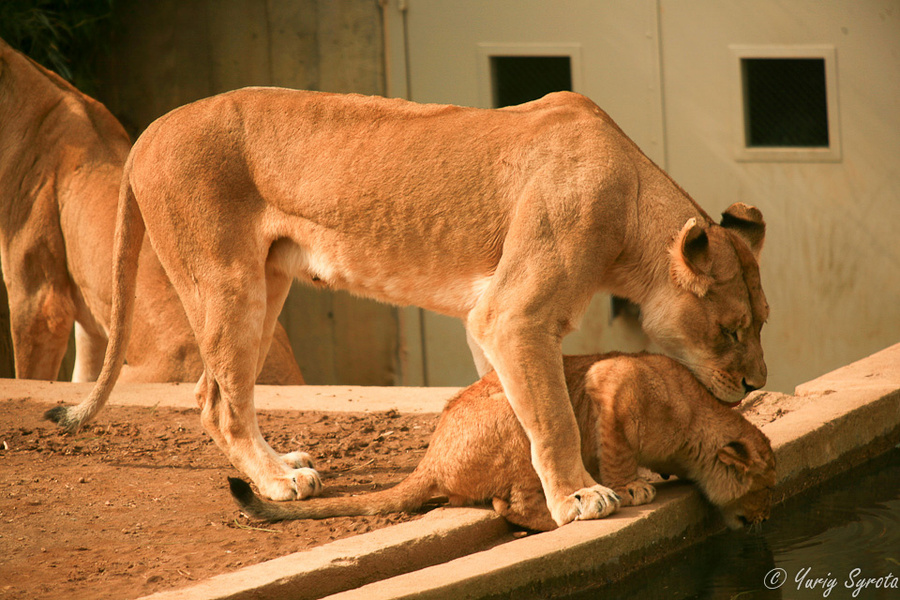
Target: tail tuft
x=250 y=503
x=240 y=491
x=62 y=416
x=57 y=414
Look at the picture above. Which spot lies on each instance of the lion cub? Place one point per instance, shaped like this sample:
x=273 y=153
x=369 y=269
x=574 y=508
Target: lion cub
x=632 y=410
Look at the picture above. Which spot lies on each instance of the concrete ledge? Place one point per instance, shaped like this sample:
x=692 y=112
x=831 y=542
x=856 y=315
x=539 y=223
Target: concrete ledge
x=268 y=397
x=521 y=568
x=824 y=433
x=439 y=536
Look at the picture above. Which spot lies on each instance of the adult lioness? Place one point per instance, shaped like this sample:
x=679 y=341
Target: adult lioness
x=61 y=159
x=509 y=219
x=645 y=410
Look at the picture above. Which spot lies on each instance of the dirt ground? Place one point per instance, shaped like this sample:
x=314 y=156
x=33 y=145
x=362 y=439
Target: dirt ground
x=138 y=502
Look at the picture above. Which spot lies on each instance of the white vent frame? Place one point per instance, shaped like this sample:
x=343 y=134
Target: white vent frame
x=745 y=153
x=486 y=51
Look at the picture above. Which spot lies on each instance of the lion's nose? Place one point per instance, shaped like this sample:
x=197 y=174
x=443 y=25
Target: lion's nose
x=748 y=387
x=755 y=376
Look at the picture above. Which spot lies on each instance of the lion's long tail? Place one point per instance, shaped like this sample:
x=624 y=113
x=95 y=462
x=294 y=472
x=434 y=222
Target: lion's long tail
x=408 y=495
x=129 y=237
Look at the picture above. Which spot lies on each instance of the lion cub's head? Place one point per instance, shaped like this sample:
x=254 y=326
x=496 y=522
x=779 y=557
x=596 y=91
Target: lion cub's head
x=742 y=478
x=710 y=315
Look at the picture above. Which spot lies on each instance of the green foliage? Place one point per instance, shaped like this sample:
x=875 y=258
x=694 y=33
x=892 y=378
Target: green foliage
x=65 y=36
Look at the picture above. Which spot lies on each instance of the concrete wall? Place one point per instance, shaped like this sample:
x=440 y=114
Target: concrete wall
x=170 y=52
x=831 y=264
x=7 y=366
x=167 y=53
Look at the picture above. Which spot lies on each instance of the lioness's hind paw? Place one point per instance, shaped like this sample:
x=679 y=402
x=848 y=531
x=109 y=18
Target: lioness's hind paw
x=307 y=481
x=298 y=460
x=294 y=484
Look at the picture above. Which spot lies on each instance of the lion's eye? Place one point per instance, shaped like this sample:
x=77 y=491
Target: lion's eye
x=729 y=333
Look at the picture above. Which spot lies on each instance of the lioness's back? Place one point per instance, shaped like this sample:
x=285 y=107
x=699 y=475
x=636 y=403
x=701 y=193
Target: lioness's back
x=376 y=194
x=347 y=123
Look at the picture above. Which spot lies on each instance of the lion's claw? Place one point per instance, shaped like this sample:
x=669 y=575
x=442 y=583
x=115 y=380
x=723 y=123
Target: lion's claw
x=588 y=503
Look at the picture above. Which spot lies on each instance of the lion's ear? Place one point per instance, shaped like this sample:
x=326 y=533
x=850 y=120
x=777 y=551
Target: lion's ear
x=691 y=261
x=746 y=221
x=736 y=454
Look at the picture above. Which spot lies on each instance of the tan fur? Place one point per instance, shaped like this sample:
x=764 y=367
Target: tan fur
x=509 y=219
x=643 y=410
x=61 y=160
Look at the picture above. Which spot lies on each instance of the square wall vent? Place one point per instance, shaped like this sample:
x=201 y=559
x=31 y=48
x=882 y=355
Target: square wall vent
x=511 y=74
x=786 y=108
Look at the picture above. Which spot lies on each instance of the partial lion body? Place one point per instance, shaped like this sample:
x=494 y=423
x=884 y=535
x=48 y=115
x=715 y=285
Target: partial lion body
x=509 y=219
x=61 y=160
x=632 y=410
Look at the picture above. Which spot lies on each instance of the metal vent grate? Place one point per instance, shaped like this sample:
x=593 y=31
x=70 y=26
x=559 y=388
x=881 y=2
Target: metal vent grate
x=785 y=102
x=518 y=79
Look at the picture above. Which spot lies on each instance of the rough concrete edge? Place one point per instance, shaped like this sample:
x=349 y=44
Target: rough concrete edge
x=267 y=397
x=834 y=426
x=437 y=537
x=869 y=372
x=521 y=568
x=869 y=427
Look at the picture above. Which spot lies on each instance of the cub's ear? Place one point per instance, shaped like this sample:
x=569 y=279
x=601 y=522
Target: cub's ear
x=691 y=263
x=736 y=454
x=746 y=221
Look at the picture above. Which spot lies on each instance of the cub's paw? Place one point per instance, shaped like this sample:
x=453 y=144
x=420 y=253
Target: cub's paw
x=587 y=503
x=298 y=460
x=636 y=493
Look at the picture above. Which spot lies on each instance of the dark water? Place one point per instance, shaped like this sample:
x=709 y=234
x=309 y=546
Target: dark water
x=822 y=544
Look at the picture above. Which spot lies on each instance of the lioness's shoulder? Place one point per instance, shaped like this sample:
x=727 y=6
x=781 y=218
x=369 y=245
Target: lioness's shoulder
x=571 y=101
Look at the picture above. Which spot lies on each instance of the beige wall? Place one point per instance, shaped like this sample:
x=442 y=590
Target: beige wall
x=831 y=264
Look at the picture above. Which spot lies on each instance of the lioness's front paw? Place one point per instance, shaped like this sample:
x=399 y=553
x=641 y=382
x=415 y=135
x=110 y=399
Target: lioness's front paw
x=587 y=503
x=299 y=484
x=636 y=493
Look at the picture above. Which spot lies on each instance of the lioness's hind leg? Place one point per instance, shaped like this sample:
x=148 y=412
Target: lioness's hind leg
x=231 y=321
x=278 y=283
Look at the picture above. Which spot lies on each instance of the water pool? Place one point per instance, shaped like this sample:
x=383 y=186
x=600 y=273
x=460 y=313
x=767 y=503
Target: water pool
x=841 y=540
